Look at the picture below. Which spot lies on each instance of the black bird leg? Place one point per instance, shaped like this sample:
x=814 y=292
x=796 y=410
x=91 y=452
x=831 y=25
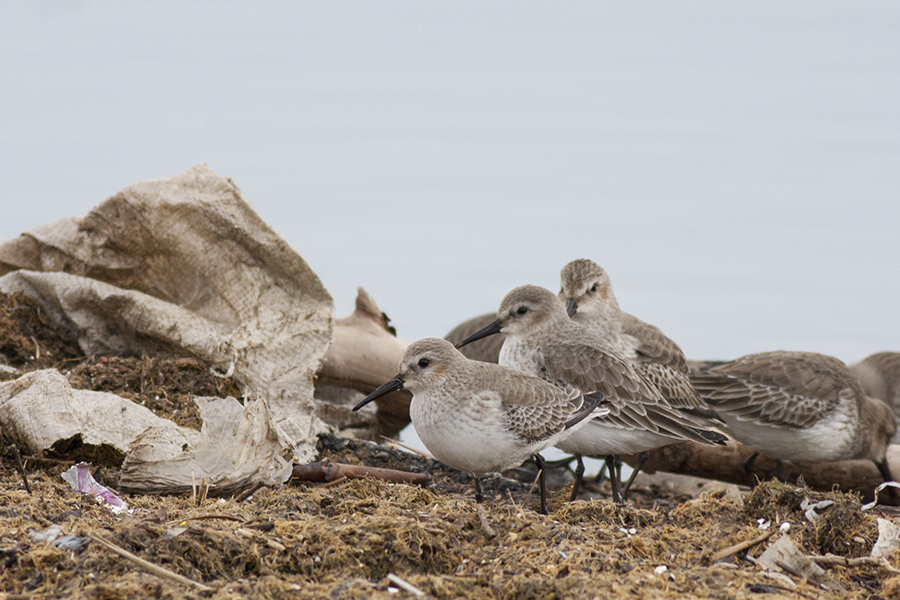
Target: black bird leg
x=642 y=458
x=579 y=477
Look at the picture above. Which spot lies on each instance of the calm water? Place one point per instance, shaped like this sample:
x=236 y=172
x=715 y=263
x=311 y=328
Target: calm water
x=735 y=167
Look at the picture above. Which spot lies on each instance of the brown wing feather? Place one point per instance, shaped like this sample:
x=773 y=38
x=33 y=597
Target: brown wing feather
x=676 y=388
x=783 y=388
x=535 y=410
x=654 y=346
x=590 y=367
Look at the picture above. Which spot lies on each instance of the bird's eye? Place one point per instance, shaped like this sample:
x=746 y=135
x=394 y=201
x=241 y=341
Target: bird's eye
x=424 y=362
x=522 y=310
x=594 y=288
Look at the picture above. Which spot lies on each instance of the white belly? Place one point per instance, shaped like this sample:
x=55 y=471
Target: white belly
x=602 y=439
x=829 y=440
x=470 y=438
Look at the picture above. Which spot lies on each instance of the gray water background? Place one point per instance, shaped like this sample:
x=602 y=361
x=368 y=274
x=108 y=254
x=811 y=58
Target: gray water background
x=734 y=166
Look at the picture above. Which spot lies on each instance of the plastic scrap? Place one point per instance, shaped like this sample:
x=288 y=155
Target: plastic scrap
x=80 y=478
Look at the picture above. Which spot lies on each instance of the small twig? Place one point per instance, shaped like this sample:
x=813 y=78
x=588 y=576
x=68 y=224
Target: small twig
x=205 y=518
x=153 y=568
x=37 y=348
x=193 y=489
x=790 y=570
x=322 y=472
x=804 y=577
x=335 y=482
x=248 y=492
x=55 y=461
x=20 y=467
x=405 y=585
x=841 y=561
x=531 y=489
x=483 y=520
x=204 y=490
x=407 y=447
x=740 y=547
x=787 y=589
x=513 y=500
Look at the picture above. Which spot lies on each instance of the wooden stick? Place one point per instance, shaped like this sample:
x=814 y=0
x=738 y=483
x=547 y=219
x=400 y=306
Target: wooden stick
x=405 y=585
x=483 y=521
x=204 y=490
x=841 y=561
x=393 y=442
x=740 y=547
x=326 y=472
x=248 y=492
x=153 y=568
x=205 y=518
x=20 y=467
x=364 y=354
x=54 y=461
x=725 y=463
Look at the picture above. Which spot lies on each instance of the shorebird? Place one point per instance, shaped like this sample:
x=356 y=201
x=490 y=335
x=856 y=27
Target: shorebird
x=799 y=406
x=542 y=340
x=879 y=375
x=482 y=417
x=588 y=295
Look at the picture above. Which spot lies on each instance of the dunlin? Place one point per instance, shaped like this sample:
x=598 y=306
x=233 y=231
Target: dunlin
x=590 y=301
x=588 y=295
x=482 y=417
x=542 y=340
x=879 y=375
x=799 y=406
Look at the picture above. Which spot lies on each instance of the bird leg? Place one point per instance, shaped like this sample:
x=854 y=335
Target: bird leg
x=479 y=492
x=579 y=476
x=601 y=474
x=748 y=468
x=542 y=483
x=614 y=466
x=642 y=458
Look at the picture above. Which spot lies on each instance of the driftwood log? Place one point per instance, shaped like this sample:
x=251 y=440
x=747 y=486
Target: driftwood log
x=725 y=463
x=365 y=353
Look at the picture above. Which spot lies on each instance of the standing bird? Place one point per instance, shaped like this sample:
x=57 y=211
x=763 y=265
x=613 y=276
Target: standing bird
x=482 y=417
x=588 y=295
x=542 y=340
x=799 y=406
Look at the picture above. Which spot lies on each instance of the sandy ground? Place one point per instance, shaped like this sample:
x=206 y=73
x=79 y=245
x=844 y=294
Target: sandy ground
x=366 y=538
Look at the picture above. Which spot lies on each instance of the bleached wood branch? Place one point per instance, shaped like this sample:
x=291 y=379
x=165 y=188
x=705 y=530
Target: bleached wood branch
x=364 y=354
x=725 y=463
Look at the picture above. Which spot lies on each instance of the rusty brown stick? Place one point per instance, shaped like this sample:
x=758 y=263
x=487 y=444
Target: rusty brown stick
x=740 y=547
x=326 y=472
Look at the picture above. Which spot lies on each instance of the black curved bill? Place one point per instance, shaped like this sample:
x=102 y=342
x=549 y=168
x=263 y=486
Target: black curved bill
x=884 y=469
x=392 y=385
x=571 y=307
x=491 y=329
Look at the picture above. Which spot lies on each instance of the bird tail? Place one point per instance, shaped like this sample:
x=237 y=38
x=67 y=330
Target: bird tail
x=591 y=406
x=670 y=422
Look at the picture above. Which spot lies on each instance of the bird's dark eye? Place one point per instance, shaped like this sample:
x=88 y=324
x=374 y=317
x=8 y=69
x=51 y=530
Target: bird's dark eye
x=424 y=362
x=522 y=310
x=594 y=288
